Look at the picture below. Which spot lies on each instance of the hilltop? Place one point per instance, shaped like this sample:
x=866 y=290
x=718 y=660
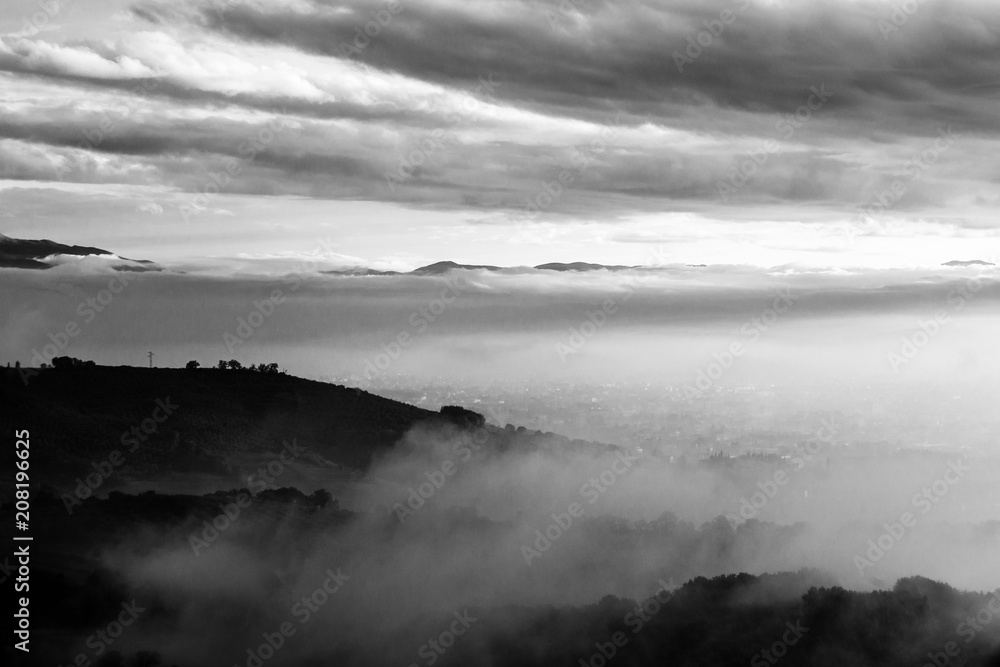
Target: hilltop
x=219 y=426
x=444 y=267
x=219 y=421
x=970 y=262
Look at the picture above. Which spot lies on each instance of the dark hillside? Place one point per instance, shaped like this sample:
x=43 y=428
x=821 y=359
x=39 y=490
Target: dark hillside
x=81 y=415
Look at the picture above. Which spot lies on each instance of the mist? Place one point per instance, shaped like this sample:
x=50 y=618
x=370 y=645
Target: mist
x=660 y=325
x=448 y=522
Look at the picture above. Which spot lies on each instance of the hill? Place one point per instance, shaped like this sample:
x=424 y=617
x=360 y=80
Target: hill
x=218 y=421
x=582 y=266
x=439 y=268
x=971 y=262
x=200 y=430
x=38 y=254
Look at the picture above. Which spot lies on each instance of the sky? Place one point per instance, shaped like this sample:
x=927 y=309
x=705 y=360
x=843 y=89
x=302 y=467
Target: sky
x=820 y=133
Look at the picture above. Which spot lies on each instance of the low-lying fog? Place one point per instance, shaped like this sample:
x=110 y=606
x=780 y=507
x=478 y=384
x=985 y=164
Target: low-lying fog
x=443 y=526
x=663 y=325
x=488 y=533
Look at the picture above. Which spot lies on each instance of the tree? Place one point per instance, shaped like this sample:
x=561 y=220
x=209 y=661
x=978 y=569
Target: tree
x=234 y=365
x=222 y=365
x=111 y=659
x=321 y=498
x=191 y=365
x=64 y=362
x=145 y=659
x=72 y=362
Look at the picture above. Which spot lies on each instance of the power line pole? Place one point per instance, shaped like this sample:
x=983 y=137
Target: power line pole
x=151 y=355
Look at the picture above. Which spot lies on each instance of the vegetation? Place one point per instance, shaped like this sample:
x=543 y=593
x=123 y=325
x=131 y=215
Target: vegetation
x=721 y=620
x=220 y=415
x=71 y=362
x=234 y=365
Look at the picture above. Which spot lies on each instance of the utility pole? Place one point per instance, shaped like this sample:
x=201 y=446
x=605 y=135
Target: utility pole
x=151 y=355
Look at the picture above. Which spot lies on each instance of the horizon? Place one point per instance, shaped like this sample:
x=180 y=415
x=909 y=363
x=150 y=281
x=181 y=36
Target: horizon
x=323 y=263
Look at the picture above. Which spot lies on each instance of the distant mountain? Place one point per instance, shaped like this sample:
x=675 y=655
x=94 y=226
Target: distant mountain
x=439 y=268
x=38 y=254
x=971 y=262
x=44 y=254
x=582 y=266
x=360 y=271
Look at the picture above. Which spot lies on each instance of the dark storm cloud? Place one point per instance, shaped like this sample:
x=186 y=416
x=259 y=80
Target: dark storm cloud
x=564 y=72
x=604 y=55
x=158 y=87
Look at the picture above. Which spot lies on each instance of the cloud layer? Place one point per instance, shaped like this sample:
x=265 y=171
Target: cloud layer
x=523 y=113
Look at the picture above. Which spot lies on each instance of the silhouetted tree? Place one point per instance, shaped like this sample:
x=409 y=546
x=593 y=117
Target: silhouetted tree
x=111 y=659
x=222 y=365
x=64 y=362
x=145 y=659
x=191 y=365
x=234 y=365
x=71 y=362
x=321 y=498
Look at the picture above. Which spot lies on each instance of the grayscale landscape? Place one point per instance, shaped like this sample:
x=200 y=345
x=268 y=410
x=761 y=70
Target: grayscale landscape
x=501 y=333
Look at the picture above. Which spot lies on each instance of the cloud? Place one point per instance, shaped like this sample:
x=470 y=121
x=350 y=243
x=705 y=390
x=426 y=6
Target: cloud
x=482 y=107
x=604 y=55
x=34 y=55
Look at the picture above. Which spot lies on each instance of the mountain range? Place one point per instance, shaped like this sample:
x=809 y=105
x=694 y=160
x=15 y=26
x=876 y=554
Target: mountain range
x=441 y=268
x=44 y=254
x=971 y=262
